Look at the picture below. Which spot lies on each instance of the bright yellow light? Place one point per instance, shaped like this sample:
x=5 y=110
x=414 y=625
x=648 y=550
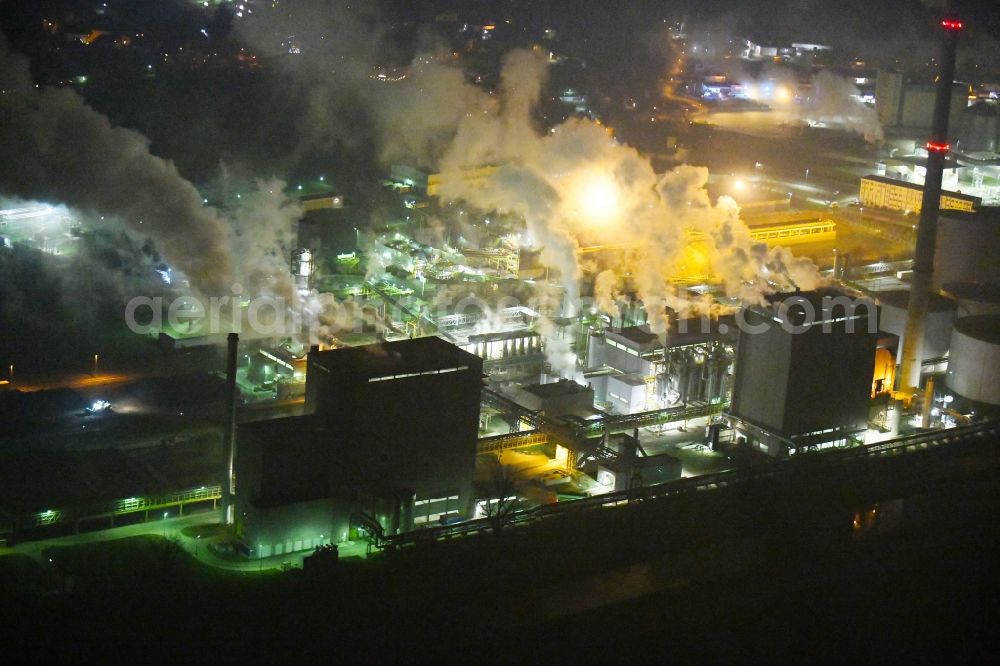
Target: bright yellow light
x=739 y=185
x=782 y=95
x=596 y=198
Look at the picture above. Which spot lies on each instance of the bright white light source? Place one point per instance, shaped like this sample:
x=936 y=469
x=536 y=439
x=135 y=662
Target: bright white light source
x=597 y=197
x=739 y=185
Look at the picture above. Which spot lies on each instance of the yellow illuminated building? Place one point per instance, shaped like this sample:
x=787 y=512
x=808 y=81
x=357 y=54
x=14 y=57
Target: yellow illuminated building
x=885 y=371
x=881 y=192
x=470 y=176
x=320 y=202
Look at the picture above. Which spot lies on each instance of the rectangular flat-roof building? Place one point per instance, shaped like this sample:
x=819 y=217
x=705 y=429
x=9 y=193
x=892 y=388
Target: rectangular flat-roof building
x=804 y=366
x=390 y=437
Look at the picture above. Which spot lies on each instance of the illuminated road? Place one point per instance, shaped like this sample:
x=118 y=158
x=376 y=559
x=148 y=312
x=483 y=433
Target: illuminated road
x=77 y=382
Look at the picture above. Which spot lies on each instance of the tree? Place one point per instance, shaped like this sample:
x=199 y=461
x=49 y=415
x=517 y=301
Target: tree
x=502 y=493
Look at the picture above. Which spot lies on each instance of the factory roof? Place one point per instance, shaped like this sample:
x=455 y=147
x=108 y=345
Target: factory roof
x=317 y=195
x=791 y=305
x=900 y=298
x=553 y=389
x=403 y=356
x=700 y=329
x=982 y=214
x=637 y=336
x=503 y=335
x=688 y=331
x=980 y=327
x=983 y=292
x=632 y=379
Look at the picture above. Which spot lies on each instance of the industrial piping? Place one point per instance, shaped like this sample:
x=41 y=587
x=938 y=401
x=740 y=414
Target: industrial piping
x=923 y=262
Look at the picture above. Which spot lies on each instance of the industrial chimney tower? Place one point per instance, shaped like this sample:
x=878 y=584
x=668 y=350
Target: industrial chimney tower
x=923 y=262
x=229 y=429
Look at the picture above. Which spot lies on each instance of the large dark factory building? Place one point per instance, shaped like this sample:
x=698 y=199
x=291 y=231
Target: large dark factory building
x=390 y=438
x=804 y=370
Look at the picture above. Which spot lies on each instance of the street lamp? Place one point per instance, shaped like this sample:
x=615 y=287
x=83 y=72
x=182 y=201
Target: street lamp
x=197 y=539
x=96 y=361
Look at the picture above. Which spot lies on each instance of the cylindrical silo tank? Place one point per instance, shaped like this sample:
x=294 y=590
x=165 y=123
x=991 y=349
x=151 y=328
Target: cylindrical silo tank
x=595 y=350
x=974 y=298
x=974 y=363
x=937 y=324
x=968 y=245
x=979 y=129
x=694 y=374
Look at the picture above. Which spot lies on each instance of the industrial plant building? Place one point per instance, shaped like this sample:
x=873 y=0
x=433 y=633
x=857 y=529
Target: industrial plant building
x=516 y=356
x=967 y=247
x=388 y=444
x=974 y=361
x=937 y=325
x=910 y=105
x=631 y=370
x=971 y=174
x=804 y=371
x=904 y=196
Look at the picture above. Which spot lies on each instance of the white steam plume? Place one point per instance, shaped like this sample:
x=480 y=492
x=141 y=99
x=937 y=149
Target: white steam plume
x=264 y=225
x=59 y=149
x=831 y=100
x=576 y=186
x=836 y=101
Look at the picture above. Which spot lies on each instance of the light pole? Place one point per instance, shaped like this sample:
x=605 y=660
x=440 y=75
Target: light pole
x=96 y=361
x=197 y=539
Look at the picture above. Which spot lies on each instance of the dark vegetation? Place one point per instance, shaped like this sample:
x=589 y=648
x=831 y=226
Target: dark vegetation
x=762 y=571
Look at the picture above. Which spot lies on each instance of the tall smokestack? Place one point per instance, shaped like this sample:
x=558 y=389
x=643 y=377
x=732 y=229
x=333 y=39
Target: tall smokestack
x=923 y=262
x=229 y=435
